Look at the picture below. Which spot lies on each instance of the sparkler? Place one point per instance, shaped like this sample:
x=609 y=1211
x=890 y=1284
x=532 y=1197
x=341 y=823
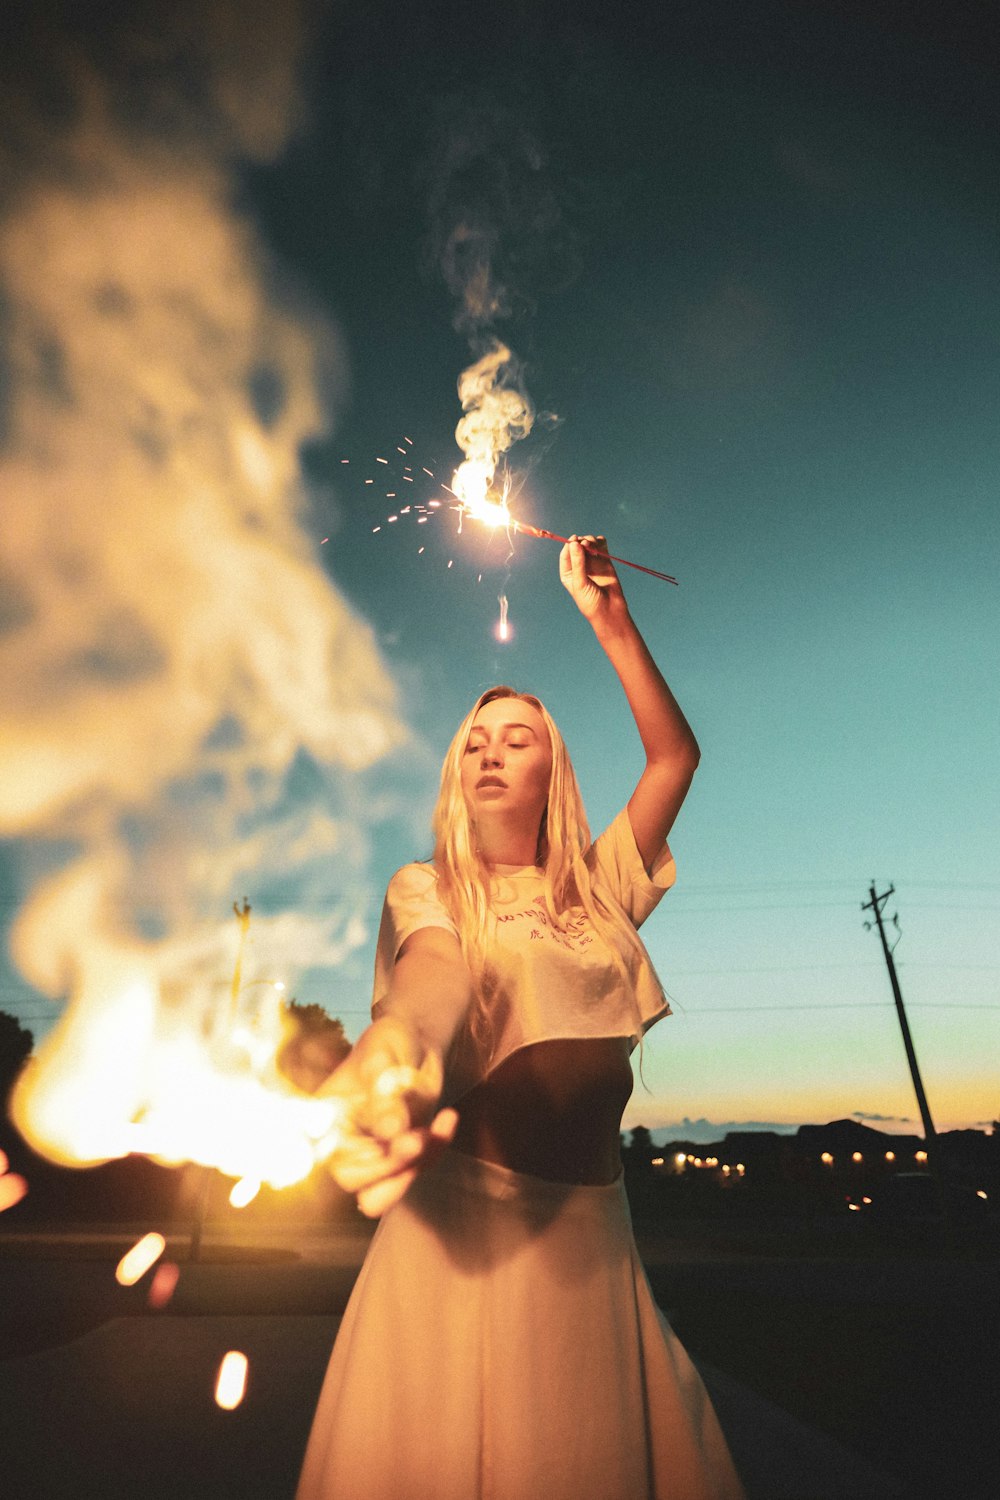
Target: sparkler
x=477 y=496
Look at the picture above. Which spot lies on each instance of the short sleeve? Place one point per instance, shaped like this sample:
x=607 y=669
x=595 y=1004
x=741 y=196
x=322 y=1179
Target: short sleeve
x=411 y=902
x=616 y=863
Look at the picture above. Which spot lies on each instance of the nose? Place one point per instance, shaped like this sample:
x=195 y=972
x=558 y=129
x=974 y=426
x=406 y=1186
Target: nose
x=492 y=756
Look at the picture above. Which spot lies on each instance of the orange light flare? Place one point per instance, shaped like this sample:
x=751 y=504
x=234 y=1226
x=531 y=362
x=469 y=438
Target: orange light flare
x=231 y=1380
x=136 y=1262
x=163 y=1284
x=12 y=1185
x=244 y=1191
x=216 y=1101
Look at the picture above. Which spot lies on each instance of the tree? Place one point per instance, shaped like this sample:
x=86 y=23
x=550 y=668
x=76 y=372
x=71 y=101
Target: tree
x=16 y=1043
x=314 y=1046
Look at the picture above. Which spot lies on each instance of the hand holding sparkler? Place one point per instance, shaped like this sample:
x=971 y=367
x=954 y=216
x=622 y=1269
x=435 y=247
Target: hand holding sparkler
x=390 y=1131
x=587 y=573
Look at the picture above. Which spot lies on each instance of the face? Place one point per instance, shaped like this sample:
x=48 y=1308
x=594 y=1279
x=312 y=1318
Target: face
x=507 y=763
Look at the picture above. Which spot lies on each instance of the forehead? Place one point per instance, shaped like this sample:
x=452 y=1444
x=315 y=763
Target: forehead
x=501 y=713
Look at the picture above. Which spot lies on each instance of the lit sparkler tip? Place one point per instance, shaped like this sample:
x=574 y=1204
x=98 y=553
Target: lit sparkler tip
x=231 y=1381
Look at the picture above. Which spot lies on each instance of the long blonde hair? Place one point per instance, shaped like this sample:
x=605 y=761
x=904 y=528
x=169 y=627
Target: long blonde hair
x=464 y=877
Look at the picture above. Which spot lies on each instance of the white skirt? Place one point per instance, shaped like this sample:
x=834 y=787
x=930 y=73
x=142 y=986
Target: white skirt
x=501 y=1343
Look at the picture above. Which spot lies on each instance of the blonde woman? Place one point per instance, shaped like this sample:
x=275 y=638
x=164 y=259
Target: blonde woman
x=502 y=1340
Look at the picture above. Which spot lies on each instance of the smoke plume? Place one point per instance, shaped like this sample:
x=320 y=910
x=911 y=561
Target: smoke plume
x=188 y=703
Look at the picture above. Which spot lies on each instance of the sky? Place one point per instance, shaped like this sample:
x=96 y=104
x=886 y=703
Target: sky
x=746 y=258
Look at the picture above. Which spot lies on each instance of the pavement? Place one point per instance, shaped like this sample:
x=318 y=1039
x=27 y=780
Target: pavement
x=123 y=1408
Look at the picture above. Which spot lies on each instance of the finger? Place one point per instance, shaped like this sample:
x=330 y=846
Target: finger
x=374 y=1201
x=356 y=1166
x=444 y=1124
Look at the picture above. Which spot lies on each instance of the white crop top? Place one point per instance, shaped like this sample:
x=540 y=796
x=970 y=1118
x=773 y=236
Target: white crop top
x=551 y=984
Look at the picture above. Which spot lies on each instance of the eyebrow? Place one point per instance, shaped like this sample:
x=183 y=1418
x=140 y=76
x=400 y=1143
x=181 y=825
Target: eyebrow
x=481 y=728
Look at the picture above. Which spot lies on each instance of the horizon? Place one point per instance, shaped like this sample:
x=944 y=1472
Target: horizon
x=751 y=292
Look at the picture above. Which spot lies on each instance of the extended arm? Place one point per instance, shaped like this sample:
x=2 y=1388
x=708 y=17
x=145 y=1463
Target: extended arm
x=672 y=752
x=395 y=1132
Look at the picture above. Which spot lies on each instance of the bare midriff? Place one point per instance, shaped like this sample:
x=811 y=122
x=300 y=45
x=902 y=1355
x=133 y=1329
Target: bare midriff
x=552 y=1109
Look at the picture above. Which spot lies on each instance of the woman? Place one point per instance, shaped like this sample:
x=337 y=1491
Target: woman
x=502 y=1340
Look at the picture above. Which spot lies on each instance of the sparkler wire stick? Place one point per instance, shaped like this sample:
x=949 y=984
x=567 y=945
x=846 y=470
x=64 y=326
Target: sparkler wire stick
x=552 y=536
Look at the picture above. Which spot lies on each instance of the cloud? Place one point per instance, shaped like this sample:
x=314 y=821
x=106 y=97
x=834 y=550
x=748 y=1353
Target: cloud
x=860 y=1114
x=192 y=711
x=704 y=1131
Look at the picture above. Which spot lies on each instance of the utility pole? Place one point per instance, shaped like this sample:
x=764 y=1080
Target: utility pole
x=930 y=1134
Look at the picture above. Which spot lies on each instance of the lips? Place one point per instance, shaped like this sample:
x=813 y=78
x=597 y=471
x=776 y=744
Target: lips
x=490 y=781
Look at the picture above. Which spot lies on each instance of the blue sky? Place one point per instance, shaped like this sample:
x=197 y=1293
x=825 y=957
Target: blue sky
x=753 y=272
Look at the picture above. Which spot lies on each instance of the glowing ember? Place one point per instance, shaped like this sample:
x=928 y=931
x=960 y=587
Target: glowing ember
x=137 y=1261
x=231 y=1381
x=244 y=1192
x=163 y=1284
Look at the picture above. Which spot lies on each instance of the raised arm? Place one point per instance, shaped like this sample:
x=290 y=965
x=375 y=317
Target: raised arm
x=672 y=752
x=392 y=1078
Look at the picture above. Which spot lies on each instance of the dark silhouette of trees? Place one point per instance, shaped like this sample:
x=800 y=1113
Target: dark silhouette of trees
x=16 y=1043
x=316 y=1044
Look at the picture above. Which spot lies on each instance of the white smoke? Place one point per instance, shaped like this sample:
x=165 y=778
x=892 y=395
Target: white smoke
x=187 y=701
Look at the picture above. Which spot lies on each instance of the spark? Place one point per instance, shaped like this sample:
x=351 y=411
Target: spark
x=231 y=1381
x=244 y=1191
x=136 y=1262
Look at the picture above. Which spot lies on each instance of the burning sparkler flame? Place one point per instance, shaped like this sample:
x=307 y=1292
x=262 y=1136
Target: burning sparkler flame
x=217 y=1100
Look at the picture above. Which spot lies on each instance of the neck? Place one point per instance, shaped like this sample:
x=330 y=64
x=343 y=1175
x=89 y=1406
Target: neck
x=499 y=844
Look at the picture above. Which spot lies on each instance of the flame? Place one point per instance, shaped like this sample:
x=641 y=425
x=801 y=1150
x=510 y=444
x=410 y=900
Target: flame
x=111 y=1080
x=231 y=1381
x=136 y=1262
x=497 y=415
